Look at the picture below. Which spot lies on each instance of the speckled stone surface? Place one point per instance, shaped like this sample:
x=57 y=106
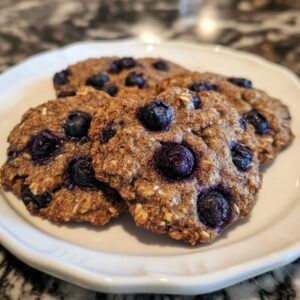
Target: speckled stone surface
x=270 y=28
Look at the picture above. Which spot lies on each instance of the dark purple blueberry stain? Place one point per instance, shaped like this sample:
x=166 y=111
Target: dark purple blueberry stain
x=62 y=77
x=241 y=82
x=242 y=156
x=161 y=65
x=107 y=133
x=111 y=89
x=135 y=79
x=44 y=145
x=119 y=65
x=258 y=121
x=214 y=209
x=80 y=173
x=243 y=123
x=65 y=94
x=37 y=201
x=175 y=161
x=201 y=86
x=77 y=124
x=156 y=115
x=97 y=81
x=196 y=101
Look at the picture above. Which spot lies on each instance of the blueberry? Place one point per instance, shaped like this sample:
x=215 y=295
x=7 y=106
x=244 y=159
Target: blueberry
x=117 y=66
x=107 y=133
x=156 y=115
x=135 y=79
x=201 y=86
x=62 y=77
x=65 y=94
x=81 y=173
x=161 y=65
x=213 y=209
x=241 y=156
x=259 y=122
x=127 y=62
x=175 y=161
x=97 y=81
x=196 y=101
x=44 y=145
x=110 y=89
x=37 y=201
x=77 y=124
x=242 y=82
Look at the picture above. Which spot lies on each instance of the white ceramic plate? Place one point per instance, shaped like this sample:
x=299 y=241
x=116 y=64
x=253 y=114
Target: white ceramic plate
x=122 y=258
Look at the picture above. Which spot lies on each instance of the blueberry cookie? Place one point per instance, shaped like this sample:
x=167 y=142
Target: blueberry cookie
x=182 y=161
x=49 y=164
x=114 y=75
x=269 y=117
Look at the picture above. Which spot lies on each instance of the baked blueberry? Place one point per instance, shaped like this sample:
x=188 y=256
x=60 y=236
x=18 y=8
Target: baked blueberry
x=107 y=133
x=44 y=145
x=201 y=86
x=127 y=62
x=110 y=89
x=62 y=77
x=65 y=94
x=213 y=209
x=259 y=122
x=196 y=101
x=135 y=79
x=37 y=201
x=156 y=115
x=115 y=67
x=161 y=65
x=77 y=124
x=241 y=156
x=175 y=161
x=118 y=65
x=81 y=173
x=242 y=82
x=97 y=81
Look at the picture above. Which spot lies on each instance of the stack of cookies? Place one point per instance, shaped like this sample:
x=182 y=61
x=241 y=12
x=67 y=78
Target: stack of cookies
x=179 y=150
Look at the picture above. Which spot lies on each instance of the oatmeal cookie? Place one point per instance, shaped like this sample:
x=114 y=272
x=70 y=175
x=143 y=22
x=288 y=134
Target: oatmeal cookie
x=115 y=75
x=49 y=164
x=182 y=161
x=269 y=117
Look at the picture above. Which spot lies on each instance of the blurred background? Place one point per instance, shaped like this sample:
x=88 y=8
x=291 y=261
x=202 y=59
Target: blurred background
x=269 y=28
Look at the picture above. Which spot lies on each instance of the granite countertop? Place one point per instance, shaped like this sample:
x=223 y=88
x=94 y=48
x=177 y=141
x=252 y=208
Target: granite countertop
x=270 y=28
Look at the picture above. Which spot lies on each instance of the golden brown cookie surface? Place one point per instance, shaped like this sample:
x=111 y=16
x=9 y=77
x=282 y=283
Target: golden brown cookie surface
x=49 y=164
x=115 y=75
x=269 y=117
x=185 y=165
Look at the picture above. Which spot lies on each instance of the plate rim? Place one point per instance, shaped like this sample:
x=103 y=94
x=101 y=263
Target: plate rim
x=151 y=282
